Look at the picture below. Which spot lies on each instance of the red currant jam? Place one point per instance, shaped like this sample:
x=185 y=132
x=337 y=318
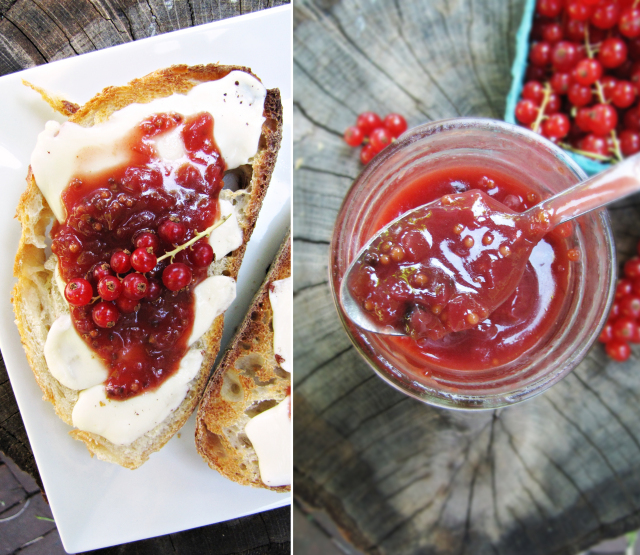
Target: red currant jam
x=107 y=213
x=397 y=288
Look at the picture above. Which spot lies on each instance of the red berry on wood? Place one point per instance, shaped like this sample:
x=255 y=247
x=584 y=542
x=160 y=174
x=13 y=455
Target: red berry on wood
x=78 y=292
x=176 y=276
x=534 y=91
x=395 y=124
x=353 y=136
x=367 y=122
x=526 y=111
x=105 y=315
x=556 y=126
x=606 y=334
x=618 y=350
x=379 y=139
x=366 y=154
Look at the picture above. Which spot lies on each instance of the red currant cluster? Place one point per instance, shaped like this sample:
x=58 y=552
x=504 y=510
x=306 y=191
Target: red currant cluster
x=374 y=132
x=121 y=284
x=582 y=81
x=623 y=326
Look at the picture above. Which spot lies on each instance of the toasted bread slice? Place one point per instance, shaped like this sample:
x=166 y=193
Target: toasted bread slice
x=37 y=301
x=247 y=382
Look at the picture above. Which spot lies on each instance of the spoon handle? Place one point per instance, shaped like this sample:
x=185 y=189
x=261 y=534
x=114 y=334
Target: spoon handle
x=619 y=181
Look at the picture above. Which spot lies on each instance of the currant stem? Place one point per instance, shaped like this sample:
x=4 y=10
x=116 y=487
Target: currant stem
x=545 y=100
x=586 y=153
x=196 y=238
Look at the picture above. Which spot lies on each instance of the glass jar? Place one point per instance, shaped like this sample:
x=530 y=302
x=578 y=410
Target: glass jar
x=538 y=165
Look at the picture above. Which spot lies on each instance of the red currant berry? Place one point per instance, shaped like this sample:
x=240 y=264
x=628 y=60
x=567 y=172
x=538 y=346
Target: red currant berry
x=120 y=262
x=353 y=136
x=578 y=11
x=201 y=255
x=575 y=29
x=579 y=95
x=127 y=306
x=587 y=72
x=540 y=53
x=552 y=32
x=630 y=306
x=379 y=138
x=613 y=52
x=583 y=120
x=534 y=91
x=366 y=154
x=632 y=119
x=100 y=270
x=153 y=290
x=624 y=288
x=526 y=111
x=623 y=94
x=632 y=267
x=109 y=288
x=105 y=315
x=172 y=232
x=78 y=292
x=608 y=85
x=395 y=124
x=367 y=122
x=629 y=24
x=553 y=104
x=135 y=286
x=606 y=334
x=556 y=126
x=604 y=119
x=594 y=144
x=147 y=240
x=535 y=73
x=618 y=350
x=549 y=8
x=605 y=15
x=624 y=329
x=142 y=260
x=629 y=142
x=560 y=82
x=564 y=55
x=176 y=276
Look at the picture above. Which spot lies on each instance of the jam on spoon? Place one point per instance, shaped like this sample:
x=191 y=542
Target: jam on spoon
x=446 y=266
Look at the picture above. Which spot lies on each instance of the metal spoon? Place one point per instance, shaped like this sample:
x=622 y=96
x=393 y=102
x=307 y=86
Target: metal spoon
x=513 y=237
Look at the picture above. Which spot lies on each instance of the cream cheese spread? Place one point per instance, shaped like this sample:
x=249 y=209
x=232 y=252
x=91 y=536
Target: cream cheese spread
x=271 y=435
x=281 y=299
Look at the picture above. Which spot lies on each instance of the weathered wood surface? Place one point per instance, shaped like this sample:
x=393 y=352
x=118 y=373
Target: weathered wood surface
x=548 y=477
x=34 y=32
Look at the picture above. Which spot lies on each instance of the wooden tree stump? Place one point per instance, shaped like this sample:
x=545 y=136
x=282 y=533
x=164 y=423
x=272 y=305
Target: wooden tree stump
x=551 y=476
x=37 y=32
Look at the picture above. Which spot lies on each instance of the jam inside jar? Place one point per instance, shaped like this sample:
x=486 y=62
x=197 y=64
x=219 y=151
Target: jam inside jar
x=542 y=332
x=105 y=214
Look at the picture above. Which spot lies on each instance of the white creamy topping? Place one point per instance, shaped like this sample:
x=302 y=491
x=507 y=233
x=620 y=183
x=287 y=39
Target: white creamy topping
x=122 y=422
x=228 y=237
x=69 y=358
x=57 y=277
x=211 y=297
x=271 y=434
x=281 y=299
x=64 y=152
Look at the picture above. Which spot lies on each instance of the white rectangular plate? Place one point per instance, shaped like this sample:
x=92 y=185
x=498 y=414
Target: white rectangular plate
x=97 y=504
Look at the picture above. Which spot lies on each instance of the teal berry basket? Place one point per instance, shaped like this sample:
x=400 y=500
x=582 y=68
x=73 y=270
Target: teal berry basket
x=518 y=70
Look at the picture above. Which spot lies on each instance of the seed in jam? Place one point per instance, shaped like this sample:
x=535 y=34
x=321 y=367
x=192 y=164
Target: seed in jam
x=134 y=286
x=78 y=292
x=109 y=288
x=143 y=260
x=120 y=262
x=176 y=276
x=105 y=314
